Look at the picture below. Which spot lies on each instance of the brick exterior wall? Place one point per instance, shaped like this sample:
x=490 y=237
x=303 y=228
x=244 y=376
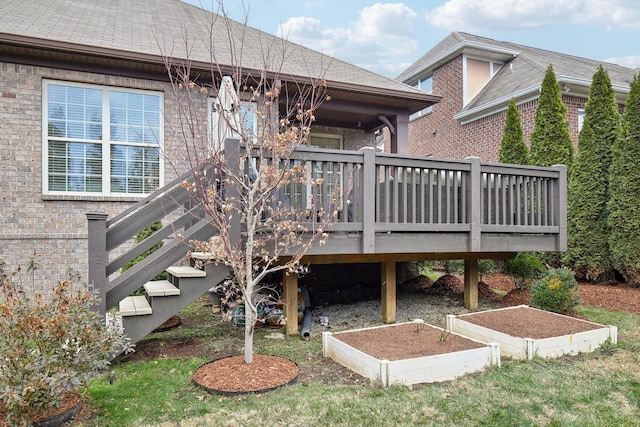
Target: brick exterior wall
x=52 y=230
x=438 y=134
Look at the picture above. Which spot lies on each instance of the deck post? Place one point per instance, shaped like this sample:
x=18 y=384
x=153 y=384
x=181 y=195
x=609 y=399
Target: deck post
x=560 y=205
x=475 y=205
x=369 y=183
x=388 y=291
x=98 y=257
x=291 y=303
x=471 y=284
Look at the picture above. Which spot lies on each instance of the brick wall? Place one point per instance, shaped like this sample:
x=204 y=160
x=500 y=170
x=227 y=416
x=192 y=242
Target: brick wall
x=52 y=230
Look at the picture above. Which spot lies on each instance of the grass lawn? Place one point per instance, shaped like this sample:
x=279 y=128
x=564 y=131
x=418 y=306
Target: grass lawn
x=597 y=389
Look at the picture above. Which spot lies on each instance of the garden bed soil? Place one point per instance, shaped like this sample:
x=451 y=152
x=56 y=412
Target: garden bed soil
x=405 y=341
x=527 y=322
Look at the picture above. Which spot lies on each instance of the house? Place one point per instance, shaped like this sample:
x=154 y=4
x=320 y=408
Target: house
x=477 y=77
x=81 y=58
x=87 y=131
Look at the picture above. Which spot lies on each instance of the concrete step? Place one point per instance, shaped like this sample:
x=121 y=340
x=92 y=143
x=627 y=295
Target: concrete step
x=160 y=288
x=134 y=306
x=185 y=271
x=204 y=256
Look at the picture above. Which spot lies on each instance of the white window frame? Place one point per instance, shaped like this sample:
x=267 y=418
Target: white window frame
x=581 y=114
x=494 y=67
x=418 y=85
x=105 y=141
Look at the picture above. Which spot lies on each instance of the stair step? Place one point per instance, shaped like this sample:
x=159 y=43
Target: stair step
x=160 y=288
x=185 y=271
x=202 y=255
x=134 y=306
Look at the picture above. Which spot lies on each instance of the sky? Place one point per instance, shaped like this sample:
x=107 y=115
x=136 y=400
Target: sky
x=387 y=37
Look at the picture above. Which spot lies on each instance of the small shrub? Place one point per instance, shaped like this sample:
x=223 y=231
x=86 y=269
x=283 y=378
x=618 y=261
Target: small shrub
x=486 y=267
x=453 y=266
x=427 y=270
x=524 y=267
x=49 y=346
x=556 y=291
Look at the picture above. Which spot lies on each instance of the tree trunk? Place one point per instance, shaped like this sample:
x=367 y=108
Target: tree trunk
x=250 y=317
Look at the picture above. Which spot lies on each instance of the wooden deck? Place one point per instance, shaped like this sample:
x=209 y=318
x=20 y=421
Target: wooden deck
x=391 y=208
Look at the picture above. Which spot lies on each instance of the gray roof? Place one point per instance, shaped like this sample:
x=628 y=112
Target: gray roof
x=148 y=29
x=524 y=68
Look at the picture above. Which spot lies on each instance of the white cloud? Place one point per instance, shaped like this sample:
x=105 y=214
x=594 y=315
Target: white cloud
x=503 y=15
x=378 y=40
x=626 y=61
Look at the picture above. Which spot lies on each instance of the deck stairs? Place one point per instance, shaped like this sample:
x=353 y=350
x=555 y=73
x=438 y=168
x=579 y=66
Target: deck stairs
x=141 y=314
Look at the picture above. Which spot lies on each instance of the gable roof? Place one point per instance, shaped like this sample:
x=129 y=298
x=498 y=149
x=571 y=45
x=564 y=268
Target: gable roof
x=521 y=76
x=137 y=34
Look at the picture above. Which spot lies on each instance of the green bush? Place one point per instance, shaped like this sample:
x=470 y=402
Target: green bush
x=524 y=267
x=551 y=139
x=49 y=346
x=556 y=291
x=486 y=267
x=455 y=266
x=512 y=148
x=588 y=252
x=624 y=209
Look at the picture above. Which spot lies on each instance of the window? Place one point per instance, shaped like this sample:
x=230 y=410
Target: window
x=219 y=130
x=323 y=140
x=100 y=139
x=477 y=73
x=425 y=84
x=581 y=114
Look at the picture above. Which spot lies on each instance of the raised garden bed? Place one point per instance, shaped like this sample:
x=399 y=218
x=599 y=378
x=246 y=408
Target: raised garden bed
x=524 y=332
x=408 y=353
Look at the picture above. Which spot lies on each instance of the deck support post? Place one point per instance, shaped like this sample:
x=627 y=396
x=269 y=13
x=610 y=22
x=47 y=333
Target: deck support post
x=388 y=291
x=291 y=303
x=471 y=284
x=98 y=257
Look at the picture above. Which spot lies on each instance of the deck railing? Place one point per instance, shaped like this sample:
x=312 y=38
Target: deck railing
x=373 y=193
x=382 y=193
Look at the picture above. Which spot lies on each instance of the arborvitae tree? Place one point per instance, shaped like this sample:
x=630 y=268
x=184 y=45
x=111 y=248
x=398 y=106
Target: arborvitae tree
x=551 y=141
x=588 y=251
x=624 y=184
x=512 y=148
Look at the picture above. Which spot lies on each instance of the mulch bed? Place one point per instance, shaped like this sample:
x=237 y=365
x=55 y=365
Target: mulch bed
x=231 y=375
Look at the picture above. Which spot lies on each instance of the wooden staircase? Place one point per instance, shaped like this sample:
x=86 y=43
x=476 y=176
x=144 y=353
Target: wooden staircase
x=141 y=314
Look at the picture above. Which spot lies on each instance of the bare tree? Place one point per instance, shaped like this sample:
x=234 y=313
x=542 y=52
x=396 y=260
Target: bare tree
x=269 y=204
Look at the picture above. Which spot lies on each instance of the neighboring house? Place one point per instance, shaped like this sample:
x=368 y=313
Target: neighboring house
x=477 y=77
x=85 y=100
